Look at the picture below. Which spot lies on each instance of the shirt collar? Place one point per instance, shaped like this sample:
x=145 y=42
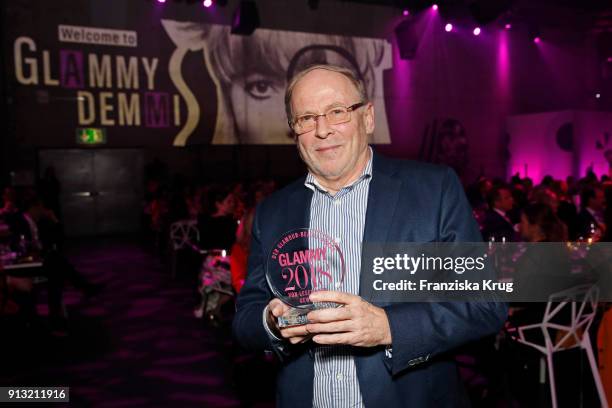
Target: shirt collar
x=311 y=181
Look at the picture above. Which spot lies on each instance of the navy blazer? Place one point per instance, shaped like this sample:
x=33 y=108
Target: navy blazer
x=407 y=202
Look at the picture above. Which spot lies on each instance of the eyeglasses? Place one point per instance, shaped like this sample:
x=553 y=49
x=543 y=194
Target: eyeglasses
x=334 y=116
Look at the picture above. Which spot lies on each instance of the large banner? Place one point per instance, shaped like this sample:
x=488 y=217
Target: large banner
x=176 y=83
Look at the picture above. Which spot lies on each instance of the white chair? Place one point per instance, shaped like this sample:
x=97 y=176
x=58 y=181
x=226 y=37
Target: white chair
x=565 y=325
x=183 y=235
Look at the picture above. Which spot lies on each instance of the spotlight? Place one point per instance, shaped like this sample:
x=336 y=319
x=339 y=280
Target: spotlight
x=598 y=95
x=476 y=31
x=406 y=13
x=536 y=40
x=609 y=59
x=508 y=26
x=161 y=1
x=448 y=27
x=435 y=7
x=207 y=3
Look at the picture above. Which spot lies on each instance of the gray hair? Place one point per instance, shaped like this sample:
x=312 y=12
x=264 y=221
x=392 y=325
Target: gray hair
x=358 y=83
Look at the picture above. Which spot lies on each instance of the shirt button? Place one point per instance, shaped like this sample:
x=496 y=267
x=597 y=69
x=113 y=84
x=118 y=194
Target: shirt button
x=336 y=201
x=339 y=376
x=337 y=240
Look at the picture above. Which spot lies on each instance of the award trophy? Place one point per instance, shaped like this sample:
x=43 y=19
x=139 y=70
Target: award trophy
x=303 y=261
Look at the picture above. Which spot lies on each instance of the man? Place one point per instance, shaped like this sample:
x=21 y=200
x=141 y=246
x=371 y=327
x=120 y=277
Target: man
x=589 y=221
x=361 y=354
x=497 y=224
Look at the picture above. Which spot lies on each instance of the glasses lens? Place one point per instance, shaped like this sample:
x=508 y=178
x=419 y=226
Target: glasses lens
x=337 y=115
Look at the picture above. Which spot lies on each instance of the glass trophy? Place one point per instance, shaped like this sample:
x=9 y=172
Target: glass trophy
x=303 y=261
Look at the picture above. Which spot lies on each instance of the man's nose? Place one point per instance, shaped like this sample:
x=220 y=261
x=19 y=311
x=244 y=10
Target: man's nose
x=322 y=129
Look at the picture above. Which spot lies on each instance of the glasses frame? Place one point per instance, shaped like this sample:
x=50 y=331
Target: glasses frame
x=316 y=116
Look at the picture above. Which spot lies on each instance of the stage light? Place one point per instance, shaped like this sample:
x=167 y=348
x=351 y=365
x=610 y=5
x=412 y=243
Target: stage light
x=476 y=31
x=508 y=26
x=448 y=27
x=161 y=1
x=434 y=7
x=598 y=95
x=406 y=13
x=536 y=40
x=609 y=59
x=207 y=3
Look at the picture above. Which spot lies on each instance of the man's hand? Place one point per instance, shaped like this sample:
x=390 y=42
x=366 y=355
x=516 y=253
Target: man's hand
x=356 y=323
x=296 y=334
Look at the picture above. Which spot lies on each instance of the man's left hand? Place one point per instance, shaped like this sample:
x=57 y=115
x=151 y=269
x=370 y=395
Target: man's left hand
x=357 y=323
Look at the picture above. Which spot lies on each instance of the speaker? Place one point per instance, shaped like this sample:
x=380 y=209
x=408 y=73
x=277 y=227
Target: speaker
x=407 y=39
x=246 y=18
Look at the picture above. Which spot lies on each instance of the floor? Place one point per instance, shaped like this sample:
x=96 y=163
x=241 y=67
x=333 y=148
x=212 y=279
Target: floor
x=136 y=344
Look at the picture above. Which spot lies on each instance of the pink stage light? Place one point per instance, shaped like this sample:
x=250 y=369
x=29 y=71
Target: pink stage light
x=536 y=40
x=476 y=31
x=598 y=95
x=406 y=13
x=448 y=27
x=508 y=26
x=435 y=7
x=161 y=1
x=609 y=59
x=207 y=3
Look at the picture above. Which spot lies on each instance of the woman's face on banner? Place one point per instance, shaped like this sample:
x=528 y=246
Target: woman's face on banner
x=257 y=101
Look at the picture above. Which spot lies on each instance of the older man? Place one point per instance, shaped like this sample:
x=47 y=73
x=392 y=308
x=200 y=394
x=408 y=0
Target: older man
x=362 y=354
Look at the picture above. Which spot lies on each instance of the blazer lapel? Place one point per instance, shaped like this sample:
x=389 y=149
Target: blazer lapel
x=298 y=207
x=382 y=201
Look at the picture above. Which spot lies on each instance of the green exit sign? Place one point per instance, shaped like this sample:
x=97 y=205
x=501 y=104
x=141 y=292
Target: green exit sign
x=90 y=136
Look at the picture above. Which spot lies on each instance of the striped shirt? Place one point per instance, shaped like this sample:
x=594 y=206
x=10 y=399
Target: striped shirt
x=341 y=216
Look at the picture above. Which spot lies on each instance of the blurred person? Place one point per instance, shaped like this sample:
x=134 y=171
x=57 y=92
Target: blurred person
x=49 y=190
x=497 y=225
x=589 y=221
x=217 y=224
x=9 y=202
x=217 y=227
x=28 y=230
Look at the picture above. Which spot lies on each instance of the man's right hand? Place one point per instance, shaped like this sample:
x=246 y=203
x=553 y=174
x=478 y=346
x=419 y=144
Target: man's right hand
x=295 y=334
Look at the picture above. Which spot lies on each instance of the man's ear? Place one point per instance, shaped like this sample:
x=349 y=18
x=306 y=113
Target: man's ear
x=368 y=118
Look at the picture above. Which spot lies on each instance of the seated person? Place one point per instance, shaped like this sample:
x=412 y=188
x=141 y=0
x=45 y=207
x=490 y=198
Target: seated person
x=36 y=227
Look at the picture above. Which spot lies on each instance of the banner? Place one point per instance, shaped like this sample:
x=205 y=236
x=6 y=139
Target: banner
x=179 y=83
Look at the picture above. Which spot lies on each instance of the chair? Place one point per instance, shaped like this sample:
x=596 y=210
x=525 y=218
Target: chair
x=565 y=325
x=214 y=281
x=183 y=235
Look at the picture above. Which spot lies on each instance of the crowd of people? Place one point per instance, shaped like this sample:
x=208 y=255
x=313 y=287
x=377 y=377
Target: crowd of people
x=554 y=210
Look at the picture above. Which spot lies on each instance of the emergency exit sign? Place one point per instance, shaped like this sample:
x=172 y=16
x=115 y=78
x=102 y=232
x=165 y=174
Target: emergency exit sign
x=90 y=136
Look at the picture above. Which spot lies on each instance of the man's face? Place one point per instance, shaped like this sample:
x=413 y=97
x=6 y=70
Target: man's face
x=505 y=201
x=331 y=152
